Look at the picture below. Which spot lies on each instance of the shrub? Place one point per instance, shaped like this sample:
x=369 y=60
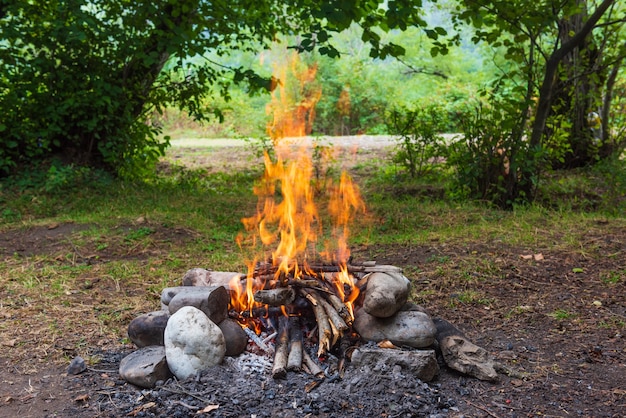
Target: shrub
x=419 y=136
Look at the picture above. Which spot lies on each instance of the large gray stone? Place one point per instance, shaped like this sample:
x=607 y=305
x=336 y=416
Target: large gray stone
x=385 y=293
x=145 y=367
x=203 y=277
x=192 y=342
x=405 y=328
x=212 y=300
x=420 y=364
x=147 y=329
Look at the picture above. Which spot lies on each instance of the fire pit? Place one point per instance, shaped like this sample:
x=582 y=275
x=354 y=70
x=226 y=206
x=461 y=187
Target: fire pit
x=307 y=309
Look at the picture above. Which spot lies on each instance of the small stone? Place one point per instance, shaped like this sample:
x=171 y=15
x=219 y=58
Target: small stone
x=77 y=365
x=148 y=329
x=234 y=336
x=405 y=328
x=192 y=342
x=145 y=367
x=385 y=293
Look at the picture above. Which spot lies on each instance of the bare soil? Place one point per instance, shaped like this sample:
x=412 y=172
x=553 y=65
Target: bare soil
x=557 y=318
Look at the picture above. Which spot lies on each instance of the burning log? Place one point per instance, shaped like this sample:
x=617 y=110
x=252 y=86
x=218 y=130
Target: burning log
x=279 y=370
x=267 y=269
x=294 y=361
x=330 y=324
x=341 y=308
x=256 y=339
x=333 y=315
x=324 y=330
x=275 y=297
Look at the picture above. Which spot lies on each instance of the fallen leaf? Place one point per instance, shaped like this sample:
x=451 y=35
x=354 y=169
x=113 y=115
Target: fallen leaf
x=9 y=343
x=53 y=226
x=311 y=385
x=538 y=257
x=577 y=270
x=208 y=409
x=140 y=408
x=81 y=398
x=597 y=303
x=386 y=344
x=526 y=256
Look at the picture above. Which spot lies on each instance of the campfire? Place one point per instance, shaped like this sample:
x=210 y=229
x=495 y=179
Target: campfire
x=303 y=303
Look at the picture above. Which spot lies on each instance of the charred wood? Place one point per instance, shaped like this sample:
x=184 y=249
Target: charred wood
x=294 y=361
x=275 y=297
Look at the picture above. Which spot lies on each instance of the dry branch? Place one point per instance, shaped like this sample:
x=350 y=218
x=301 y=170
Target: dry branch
x=279 y=369
x=333 y=315
x=310 y=364
x=275 y=297
x=340 y=307
x=323 y=322
x=294 y=361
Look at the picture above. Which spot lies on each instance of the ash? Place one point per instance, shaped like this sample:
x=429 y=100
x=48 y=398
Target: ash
x=243 y=387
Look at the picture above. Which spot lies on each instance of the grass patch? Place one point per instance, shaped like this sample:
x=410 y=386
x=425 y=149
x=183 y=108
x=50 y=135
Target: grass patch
x=127 y=240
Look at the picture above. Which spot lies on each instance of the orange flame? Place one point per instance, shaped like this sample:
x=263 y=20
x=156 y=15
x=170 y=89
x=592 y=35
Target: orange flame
x=287 y=216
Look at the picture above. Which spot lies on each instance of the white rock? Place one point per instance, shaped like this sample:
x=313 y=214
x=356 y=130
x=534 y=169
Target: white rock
x=192 y=342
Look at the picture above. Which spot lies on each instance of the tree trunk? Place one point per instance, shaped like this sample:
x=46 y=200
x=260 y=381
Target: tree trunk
x=547 y=89
x=608 y=147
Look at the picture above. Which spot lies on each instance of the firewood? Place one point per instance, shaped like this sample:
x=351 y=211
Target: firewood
x=294 y=361
x=333 y=315
x=279 y=369
x=266 y=269
x=257 y=340
x=310 y=364
x=323 y=322
x=340 y=307
x=275 y=297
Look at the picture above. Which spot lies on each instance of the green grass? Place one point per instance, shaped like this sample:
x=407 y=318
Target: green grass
x=137 y=237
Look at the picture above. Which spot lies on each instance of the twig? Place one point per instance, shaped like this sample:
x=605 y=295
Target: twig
x=488 y=412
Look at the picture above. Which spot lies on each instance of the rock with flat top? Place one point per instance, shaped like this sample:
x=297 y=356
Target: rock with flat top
x=145 y=367
x=405 y=328
x=419 y=364
x=212 y=300
x=385 y=293
x=192 y=342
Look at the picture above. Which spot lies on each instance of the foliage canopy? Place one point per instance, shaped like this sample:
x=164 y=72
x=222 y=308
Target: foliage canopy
x=82 y=78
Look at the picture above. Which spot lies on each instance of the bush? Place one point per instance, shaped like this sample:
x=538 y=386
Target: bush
x=493 y=161
x=419 y=139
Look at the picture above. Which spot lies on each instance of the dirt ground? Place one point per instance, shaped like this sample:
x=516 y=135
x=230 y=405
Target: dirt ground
x=556 y=318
